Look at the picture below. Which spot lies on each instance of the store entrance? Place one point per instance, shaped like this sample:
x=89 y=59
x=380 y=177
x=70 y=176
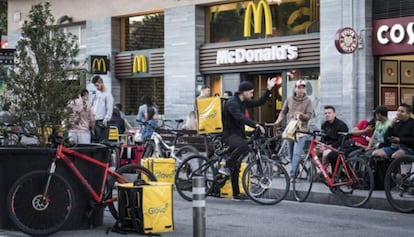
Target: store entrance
x=266 y=113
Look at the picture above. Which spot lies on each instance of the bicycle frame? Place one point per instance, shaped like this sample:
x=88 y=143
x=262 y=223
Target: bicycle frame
x=63 y=154
x=330 y=180
x=161 y=145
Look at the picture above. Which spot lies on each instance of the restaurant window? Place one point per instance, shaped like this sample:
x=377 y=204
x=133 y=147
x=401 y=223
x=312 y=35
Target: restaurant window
x=144 y=32
x=225 y=22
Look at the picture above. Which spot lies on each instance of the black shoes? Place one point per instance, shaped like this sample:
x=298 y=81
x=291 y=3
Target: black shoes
x=240 y=197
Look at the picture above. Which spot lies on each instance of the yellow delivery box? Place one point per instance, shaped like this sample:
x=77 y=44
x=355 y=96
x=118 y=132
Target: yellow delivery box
x=209 y=115
x=146 y=208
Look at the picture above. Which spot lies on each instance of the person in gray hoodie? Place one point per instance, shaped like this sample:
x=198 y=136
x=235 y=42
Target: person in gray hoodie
x=297 y=107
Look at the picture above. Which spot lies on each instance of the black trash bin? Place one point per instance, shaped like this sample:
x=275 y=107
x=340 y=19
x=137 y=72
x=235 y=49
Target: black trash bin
x=17 y=161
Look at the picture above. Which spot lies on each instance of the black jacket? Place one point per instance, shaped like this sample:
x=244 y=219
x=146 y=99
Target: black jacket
x=233 y=114
x=331 y=131
x=402 y=130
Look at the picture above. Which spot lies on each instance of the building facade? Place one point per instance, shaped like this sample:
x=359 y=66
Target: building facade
x=169 y=49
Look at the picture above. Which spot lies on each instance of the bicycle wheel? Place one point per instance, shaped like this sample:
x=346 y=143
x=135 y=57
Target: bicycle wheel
x=35 y=214
x=193 y=166
x=359 y=192
x=399 y=184
x=131 y=172
x=302 y=183
x=184 y=152
x=266 y=181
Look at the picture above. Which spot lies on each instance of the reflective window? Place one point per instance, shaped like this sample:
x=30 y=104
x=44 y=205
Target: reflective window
x=77 y=30
x=144 y=32
x=226 y=22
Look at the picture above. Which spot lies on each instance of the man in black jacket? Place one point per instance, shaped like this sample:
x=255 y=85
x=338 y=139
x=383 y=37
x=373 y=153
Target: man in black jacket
x=331 y=127
x=399 y=138
x=234 y=135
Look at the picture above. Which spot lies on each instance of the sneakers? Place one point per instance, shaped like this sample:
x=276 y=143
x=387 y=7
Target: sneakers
x=224 y=171
x=240 y=197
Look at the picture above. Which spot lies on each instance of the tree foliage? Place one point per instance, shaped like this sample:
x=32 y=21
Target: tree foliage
x=45 y=76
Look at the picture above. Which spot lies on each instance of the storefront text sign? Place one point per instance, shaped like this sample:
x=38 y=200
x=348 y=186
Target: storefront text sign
x=393 y=36
x=242 y=55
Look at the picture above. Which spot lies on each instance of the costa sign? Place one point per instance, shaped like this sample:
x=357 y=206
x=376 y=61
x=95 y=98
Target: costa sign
x=257 y=9
x=393 y=36
x=241 y=55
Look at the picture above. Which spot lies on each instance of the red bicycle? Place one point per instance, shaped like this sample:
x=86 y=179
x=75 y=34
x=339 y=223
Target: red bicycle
x=351 y=180
x=40 y=202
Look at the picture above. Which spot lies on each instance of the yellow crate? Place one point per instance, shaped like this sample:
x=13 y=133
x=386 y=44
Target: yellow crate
x=226 y=191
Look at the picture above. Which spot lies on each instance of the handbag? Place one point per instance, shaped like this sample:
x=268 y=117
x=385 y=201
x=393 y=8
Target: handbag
x=289 y=132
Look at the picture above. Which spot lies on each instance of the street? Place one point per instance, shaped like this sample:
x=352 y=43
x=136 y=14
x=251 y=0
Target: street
x=225 y=217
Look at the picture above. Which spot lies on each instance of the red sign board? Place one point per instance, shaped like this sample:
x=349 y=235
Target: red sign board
x=393 y=36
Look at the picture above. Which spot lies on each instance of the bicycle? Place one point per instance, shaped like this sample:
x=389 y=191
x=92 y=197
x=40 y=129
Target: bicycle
x=265 y=181
x=199 y=165
x=352 y=179
x=40 y=202
x=257 y=179
x=156 y=146
x=399 y=184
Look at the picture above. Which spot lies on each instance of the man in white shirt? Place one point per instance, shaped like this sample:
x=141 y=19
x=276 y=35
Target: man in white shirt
x=103 y=104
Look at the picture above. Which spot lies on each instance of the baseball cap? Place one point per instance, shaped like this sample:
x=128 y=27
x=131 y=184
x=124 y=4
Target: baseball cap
x=300 y=83
x=381 y=110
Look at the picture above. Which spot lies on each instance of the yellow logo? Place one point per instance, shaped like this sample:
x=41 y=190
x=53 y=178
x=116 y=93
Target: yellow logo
x=140 y=64
x=257 y=9
x=98 y=64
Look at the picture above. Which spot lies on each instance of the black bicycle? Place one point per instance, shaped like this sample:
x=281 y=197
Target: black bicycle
x=265 y=181
x=399 y=184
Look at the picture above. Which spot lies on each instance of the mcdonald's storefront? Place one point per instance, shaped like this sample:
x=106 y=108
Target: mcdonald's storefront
x=140 y=73
x=223 y=66
x=261 y=53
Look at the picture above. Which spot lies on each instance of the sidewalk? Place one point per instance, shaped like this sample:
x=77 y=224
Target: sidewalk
x=320 y=193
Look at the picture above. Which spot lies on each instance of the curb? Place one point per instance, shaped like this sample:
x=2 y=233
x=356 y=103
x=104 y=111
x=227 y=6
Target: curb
x=377 y=201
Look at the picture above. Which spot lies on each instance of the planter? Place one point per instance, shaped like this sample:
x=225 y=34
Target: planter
x=17 y=161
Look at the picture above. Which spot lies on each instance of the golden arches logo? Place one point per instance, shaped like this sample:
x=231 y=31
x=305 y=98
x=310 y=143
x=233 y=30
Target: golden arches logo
x=140 y=64
x=257 y=10
x=97 y=64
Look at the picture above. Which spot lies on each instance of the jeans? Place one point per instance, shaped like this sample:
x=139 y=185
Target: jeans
x=101 y=131
x=239 y=148
x=296 y=150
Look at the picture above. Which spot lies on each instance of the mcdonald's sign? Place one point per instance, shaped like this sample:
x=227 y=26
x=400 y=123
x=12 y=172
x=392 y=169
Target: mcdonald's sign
x=140 y=64
x=257 y=9
x=99 y=64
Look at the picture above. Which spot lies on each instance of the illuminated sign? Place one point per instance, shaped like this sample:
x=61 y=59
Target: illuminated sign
x=393 y=36
x=240 y=55
x=99 y=64
x=257 y=9
x=140 y=64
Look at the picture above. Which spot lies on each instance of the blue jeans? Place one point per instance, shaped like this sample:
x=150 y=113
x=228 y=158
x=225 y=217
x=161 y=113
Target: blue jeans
x=295 y=152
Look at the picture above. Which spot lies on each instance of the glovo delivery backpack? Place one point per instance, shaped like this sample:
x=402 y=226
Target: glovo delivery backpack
x=145 y=208
x=209 y=115
x=162 y=168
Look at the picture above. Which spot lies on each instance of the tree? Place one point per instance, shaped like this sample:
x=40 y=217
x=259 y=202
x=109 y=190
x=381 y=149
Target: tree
x=45 y=75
